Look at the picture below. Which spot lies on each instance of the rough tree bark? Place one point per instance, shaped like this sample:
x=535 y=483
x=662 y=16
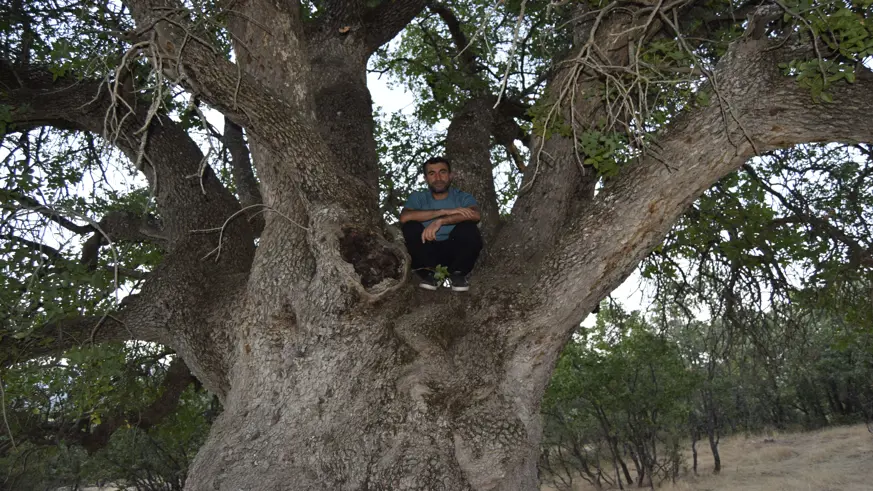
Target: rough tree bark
x=334 y=372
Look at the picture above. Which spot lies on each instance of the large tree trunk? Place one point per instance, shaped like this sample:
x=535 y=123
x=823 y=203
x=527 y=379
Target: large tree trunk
x=390 y=401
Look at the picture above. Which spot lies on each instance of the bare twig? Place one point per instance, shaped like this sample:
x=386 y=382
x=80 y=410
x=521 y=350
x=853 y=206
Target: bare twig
x=724 y=105
x=220 y=230
x=204 y=162
x=481 y=29
x=511 y=53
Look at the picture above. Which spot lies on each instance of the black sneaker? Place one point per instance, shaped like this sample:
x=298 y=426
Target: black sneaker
x=428 y=282
x=460 y=283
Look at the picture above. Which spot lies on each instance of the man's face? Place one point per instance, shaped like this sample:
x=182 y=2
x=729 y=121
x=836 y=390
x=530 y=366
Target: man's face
x=438 y=177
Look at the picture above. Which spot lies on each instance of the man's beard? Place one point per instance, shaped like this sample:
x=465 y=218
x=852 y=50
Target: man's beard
x=444 y=185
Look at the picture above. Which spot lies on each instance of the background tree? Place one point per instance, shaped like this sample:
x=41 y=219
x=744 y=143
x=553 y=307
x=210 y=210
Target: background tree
x=333 y=372
x=619 y=394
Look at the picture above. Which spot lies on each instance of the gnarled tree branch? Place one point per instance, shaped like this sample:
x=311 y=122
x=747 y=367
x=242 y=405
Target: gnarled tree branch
x=699 y=148
x=556 y=181
x=335 y=199
x=188 y=195
x=174 y=300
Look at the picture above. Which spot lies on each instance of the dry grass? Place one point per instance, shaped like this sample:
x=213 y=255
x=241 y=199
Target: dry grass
x=835 y=459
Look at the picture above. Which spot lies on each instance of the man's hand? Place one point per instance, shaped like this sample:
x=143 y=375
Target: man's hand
x=430 y=232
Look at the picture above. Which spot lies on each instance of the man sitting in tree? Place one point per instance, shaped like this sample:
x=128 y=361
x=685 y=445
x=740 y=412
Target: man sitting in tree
x=439 y=226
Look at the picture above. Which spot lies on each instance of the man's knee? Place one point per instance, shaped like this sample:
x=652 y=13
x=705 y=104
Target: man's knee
x=412 y=230
x=468 y=233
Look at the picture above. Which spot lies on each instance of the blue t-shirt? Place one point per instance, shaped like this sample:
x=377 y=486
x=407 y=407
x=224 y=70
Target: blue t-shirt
x=424 y=200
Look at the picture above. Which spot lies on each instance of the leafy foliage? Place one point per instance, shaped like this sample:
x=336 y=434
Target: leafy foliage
x=619 y=392
x=54 y=404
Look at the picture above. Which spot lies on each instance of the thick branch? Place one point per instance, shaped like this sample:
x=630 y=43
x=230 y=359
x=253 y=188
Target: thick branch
x=185 y=292
x=468 y=146
x=286 y=128
x=759 y=110
x=384 y=21
x=600 y=247
x=340 y=15
x=338 y=50
x=57 y=337
x=247 y=186
x=241 y=165
x=188 y=195
x=304 y=171
x=268 y=40
x=702 y=20
x=176 y=380
x=556 y=183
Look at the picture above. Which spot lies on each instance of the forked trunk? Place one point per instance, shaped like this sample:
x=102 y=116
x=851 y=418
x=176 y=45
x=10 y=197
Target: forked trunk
x=716 y=458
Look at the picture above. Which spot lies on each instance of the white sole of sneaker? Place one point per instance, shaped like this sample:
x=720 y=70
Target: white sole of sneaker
x=460 y=288
x=426 y=286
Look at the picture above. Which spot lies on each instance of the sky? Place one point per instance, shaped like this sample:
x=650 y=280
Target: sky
x=389 y=99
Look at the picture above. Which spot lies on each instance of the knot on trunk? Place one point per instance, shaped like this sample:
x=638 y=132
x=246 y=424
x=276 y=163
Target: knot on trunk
x=374 y=259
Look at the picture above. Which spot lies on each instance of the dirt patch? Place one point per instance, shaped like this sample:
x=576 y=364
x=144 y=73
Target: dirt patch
x=777 y=454
x=832 y=459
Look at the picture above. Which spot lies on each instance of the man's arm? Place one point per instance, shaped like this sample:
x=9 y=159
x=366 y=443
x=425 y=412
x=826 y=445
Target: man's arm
x=459 y=215
x=448 y=216
x=410 y=215
x=470 y=214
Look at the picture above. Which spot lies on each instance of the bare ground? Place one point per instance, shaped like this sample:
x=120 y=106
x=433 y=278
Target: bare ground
x=834 y=459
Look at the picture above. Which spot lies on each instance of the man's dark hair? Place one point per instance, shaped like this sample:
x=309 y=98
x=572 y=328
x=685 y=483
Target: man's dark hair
x=436 y=160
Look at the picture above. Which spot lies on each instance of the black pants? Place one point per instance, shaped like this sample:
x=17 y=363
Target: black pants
x=458 y=253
